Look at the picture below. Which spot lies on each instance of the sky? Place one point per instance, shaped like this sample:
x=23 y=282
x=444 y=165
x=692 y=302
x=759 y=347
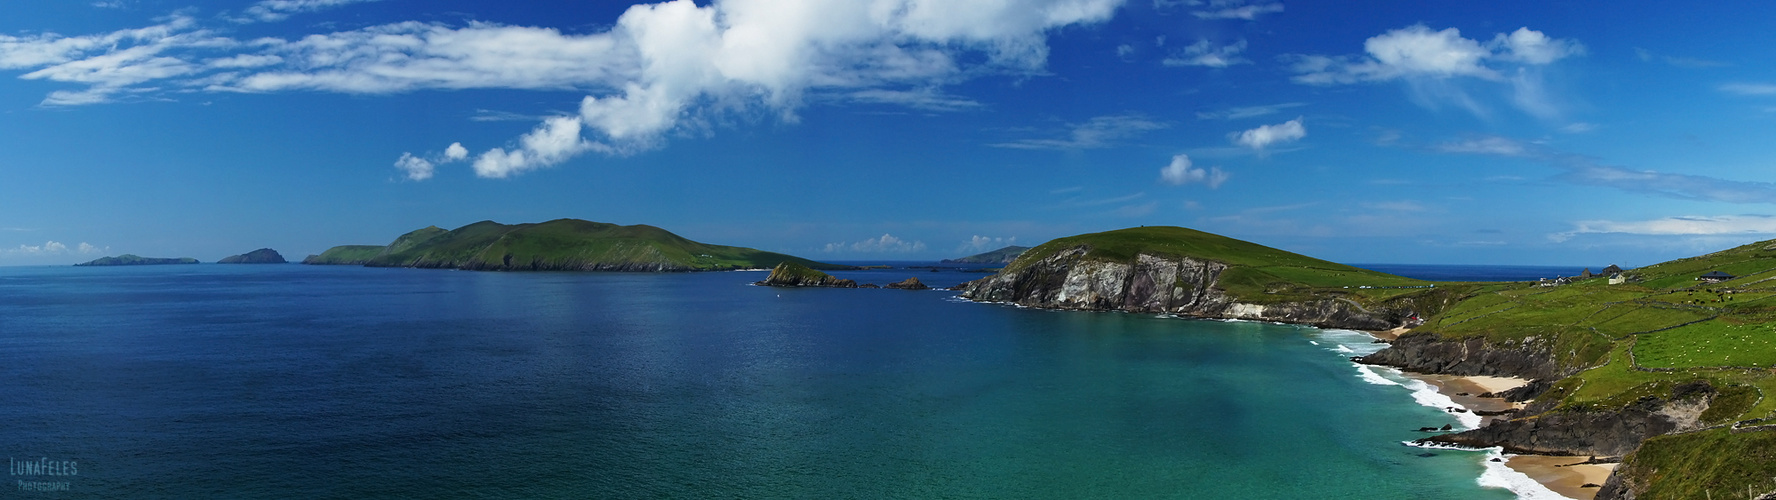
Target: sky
x=1428 y=132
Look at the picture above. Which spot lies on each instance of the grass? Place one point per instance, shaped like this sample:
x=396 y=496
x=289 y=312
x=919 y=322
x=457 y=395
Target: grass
x=346 y=254
x=1711 y=464
x=1709 y=343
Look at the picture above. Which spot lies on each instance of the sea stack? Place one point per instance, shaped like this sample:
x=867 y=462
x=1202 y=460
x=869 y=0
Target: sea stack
x=790 y=274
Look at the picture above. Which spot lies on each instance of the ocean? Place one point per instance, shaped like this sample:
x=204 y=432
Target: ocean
x=291 y=381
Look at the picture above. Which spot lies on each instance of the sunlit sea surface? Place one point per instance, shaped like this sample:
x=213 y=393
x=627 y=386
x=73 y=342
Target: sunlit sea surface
x=291 y=381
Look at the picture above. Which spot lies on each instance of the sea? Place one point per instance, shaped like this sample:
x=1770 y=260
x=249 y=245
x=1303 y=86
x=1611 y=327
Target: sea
x=293 y=381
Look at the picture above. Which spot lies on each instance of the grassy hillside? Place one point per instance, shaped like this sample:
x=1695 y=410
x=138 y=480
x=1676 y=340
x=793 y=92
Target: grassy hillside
x=354 y=255
x=1255 y=273
x=1641 y=338
x=571 y=244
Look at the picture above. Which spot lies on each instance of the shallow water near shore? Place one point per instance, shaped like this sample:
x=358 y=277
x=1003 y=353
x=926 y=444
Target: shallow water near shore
x=283 y=381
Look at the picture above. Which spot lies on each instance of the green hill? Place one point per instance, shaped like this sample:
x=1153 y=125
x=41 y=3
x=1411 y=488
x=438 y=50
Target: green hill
x=1000 y=256
x=135 y=260
x=1255 y=273
x=561 y=245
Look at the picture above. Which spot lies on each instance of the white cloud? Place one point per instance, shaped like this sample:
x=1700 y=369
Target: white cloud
x=885 y=244
x=1489 y=145
x=978 y=244
x=1266 y=135
x=1181 y=171
x=1099 y=132
x=1235 y=10
x=1678 y=226
x=928 y=99
x=1203 y=53
x=1430 y=60
x=277 y=10
x=556 y=140
x=419 y=169
x=52 y=247
x=1749 y=88
x=1247 y=111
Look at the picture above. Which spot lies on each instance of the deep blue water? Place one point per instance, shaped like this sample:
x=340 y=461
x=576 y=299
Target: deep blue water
x=289 y=381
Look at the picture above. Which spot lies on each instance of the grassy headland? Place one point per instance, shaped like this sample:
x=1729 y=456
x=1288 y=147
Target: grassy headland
x=562 y=244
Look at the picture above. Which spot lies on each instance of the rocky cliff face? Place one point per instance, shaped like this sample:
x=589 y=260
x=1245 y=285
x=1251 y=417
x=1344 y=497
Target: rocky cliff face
x=1160 y=284
x=1531 y=358
x=1611 y=433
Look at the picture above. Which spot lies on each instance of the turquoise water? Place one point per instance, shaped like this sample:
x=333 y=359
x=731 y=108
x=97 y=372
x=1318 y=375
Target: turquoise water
x=286 y=381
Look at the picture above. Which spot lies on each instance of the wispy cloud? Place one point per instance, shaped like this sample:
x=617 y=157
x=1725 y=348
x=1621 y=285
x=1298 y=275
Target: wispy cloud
x=1584 y=170
x=1743 y=88
x=1681 y=62
x=1237 y=9
x=278 y=10
x=1750 y=224
x=1247 y=111
x=978 y=244
x=928 y=99
x=1099 y=132
x=887 y=243
x=1204 y=53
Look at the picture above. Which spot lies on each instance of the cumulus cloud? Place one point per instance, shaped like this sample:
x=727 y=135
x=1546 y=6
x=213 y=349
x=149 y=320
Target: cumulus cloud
x=1267 y=135
x=1751 y=224
x=1204 y=53
x=978 y=244
x=661 y=67
x=885 y=244
x=1429 y=61
x=419 y=169
x=1181 y=171
x=1099 y=132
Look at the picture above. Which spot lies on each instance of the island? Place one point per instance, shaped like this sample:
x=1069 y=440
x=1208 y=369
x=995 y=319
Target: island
x=260 y=256
x=558 y=245
x=1668 y=370
x=135 y=260
x=1000 y=256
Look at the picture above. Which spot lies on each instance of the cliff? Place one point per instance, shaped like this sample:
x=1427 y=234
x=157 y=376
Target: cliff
x=1185 y=272
x=260 y=256
x=1000 y=256
x=789 y=274
x=134 y=260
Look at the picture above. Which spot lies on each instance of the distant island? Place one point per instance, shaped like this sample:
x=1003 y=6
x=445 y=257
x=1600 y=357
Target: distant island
x=1000 y=256
x=260 y=256
x=557 y=245
x=136 y=260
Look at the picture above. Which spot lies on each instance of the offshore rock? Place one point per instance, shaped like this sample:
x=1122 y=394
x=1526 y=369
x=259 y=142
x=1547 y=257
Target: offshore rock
x=907 y=284
x=790 y=274
x=260 y=256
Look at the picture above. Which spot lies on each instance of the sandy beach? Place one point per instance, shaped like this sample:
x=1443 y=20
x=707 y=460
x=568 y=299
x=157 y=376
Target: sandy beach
x=1564 y=475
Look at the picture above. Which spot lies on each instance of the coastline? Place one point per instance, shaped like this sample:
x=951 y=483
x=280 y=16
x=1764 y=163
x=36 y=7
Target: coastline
x=1565 y=476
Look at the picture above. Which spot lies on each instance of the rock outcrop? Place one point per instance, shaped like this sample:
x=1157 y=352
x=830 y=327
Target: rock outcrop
x=1425 y=352
x=260 y=256
x=908 y=284
x=1603 y=433
x=1161 y=284
x=790 y=274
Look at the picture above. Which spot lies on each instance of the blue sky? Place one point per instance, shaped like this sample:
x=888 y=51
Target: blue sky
x=1581 y=133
